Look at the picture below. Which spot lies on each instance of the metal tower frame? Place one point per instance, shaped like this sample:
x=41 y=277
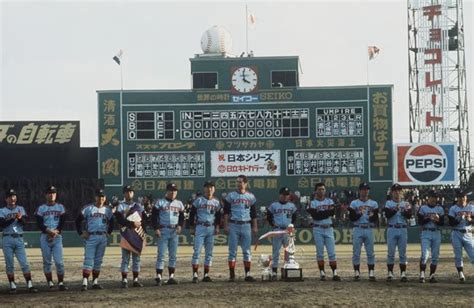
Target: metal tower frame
x=437 y=76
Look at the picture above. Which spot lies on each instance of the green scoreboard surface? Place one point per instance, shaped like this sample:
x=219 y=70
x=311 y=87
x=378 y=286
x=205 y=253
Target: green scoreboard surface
x=277 y=136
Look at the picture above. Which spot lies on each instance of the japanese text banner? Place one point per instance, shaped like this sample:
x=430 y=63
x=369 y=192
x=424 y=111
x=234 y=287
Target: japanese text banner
x=250 y=163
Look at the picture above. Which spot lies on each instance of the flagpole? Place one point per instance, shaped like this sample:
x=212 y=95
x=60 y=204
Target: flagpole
x=246 y=28
x=367 y=59
x=121 y=83
x=121 y=78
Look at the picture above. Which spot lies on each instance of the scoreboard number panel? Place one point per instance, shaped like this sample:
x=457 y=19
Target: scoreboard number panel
x=244 y=124
x=339 y=122
x=166 y=164
x=145 y=125
x=325 y=162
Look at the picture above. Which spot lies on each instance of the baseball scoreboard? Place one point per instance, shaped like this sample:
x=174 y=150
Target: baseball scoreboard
x=271 y=129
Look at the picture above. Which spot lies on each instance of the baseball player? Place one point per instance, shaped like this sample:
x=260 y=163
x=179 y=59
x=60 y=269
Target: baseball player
x=50 y=218
x=363 y=212
x=461 y=219
x=124 y=209
x=239 y=213
x=98 y=221
x=280 y=214
x=397 y=213
x=12 y=220
x=321 y=210
x=204 y=219
x=167 y=219
x=430 y=218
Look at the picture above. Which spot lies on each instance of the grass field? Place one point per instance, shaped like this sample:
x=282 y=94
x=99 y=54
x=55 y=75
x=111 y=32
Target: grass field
x=310 y=292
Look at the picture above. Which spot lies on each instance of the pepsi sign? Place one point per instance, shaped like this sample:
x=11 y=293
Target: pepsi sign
x=425 y=164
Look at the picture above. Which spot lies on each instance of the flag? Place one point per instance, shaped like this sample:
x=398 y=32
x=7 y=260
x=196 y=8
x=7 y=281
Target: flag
x=133 y=239
x=252 y=20
x=373 y=51
x=118 y=56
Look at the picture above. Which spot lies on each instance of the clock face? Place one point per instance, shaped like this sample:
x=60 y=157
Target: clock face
x=244 y=80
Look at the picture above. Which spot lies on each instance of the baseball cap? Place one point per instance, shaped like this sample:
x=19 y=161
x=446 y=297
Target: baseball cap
x=460 y=193
x=11 y=192
x=100 y=192
x=171 y=187
x=209 y=184
x=51 y=189
x=364 y=185
x=127 y=188
x=432 y=193
x=396 y=186
x=284 y=191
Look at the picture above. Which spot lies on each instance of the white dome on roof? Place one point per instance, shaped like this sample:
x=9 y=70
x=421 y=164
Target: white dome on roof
x=216 y=40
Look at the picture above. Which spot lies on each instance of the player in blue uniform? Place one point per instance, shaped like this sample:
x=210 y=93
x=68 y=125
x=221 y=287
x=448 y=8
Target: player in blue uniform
x=461 y=219
x=99 y=222
x=397 y=213
x=125 y=208
x=12 y=220
x=363 y=212
x=430 y=218
x=50 y=218
x=240 y=221
x=204 y=219
x=321 y=210
x=279 y=215
x=167 y=218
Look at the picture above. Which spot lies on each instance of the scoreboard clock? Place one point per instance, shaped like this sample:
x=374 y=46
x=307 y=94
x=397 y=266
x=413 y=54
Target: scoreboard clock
x=244 y=79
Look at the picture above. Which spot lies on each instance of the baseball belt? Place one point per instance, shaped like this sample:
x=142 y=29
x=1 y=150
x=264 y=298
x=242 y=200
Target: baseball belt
x=364 y=226
x=98 y=233
x=429 y=229
x=14 y=235
x=168 y=226
x=205 y=224
x=397 y=226
x=464 y=230
x=239 y=222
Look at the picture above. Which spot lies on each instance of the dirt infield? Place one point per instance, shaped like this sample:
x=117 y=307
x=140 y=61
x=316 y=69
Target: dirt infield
x=311 y=292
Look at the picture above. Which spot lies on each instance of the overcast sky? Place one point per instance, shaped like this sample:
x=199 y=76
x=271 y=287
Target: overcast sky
x=56 y=54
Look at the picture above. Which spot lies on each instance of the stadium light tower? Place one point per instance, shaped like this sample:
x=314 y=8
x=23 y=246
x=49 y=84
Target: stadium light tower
x=437 y=76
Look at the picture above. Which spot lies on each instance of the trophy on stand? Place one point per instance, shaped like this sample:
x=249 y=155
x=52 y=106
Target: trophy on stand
x=291 y=270
x=265 y=261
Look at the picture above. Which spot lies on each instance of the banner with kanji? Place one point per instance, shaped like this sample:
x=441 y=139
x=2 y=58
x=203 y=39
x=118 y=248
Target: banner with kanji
x=250 y=163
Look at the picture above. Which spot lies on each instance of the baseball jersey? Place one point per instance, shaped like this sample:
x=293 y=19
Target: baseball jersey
x=50 y=214
x=398 y=218
x=169 y=211
x=456 y=212
x=239 y=206
x=7 y=213
x=206 y=209
x=282 y=213
x=364 y=208
x=97 y=218
x=426 y=212
x=320 y=206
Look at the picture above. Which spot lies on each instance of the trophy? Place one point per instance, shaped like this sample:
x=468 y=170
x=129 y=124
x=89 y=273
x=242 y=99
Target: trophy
x=265 y=261
x=291 y=270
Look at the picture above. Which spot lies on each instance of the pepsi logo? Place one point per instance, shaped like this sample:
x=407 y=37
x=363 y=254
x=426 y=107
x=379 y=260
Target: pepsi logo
x=425 y=163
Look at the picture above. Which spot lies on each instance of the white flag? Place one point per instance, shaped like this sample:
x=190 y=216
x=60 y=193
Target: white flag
x=252 y=20
x=373 y=51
